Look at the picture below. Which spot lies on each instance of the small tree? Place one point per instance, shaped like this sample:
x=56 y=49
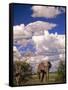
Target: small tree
x=22 y=72
x=61 y=73
x=26 y=72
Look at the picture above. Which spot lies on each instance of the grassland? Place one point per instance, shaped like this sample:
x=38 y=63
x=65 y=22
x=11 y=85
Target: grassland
x=35 y=80
x=25 y=78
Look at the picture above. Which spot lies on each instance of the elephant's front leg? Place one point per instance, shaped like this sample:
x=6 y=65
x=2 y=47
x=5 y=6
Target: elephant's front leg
x=43 y=73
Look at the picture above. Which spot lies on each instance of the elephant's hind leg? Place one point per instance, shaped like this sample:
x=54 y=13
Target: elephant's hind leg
x=42 y=77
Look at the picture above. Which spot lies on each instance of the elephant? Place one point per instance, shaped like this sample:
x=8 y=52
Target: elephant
x=43 y=70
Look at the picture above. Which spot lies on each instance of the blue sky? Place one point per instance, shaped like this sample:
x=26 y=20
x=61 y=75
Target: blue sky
x=22 y=14
x=34 y=31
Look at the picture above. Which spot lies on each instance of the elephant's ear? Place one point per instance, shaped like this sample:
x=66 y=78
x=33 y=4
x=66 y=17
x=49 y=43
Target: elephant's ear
x=49 y=63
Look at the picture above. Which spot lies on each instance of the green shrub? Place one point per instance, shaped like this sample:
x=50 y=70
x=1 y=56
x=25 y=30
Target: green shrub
x=61 y=72
x=22 y=72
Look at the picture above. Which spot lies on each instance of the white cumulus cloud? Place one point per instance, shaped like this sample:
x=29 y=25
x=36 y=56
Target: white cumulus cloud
x=20 y=32
x=16 y=54
x=49 y=43
x=46 y=11
x=38 y=27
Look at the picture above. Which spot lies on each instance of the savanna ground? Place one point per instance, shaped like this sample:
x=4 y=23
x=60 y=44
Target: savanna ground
x=35 y=80
x=27 y=78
